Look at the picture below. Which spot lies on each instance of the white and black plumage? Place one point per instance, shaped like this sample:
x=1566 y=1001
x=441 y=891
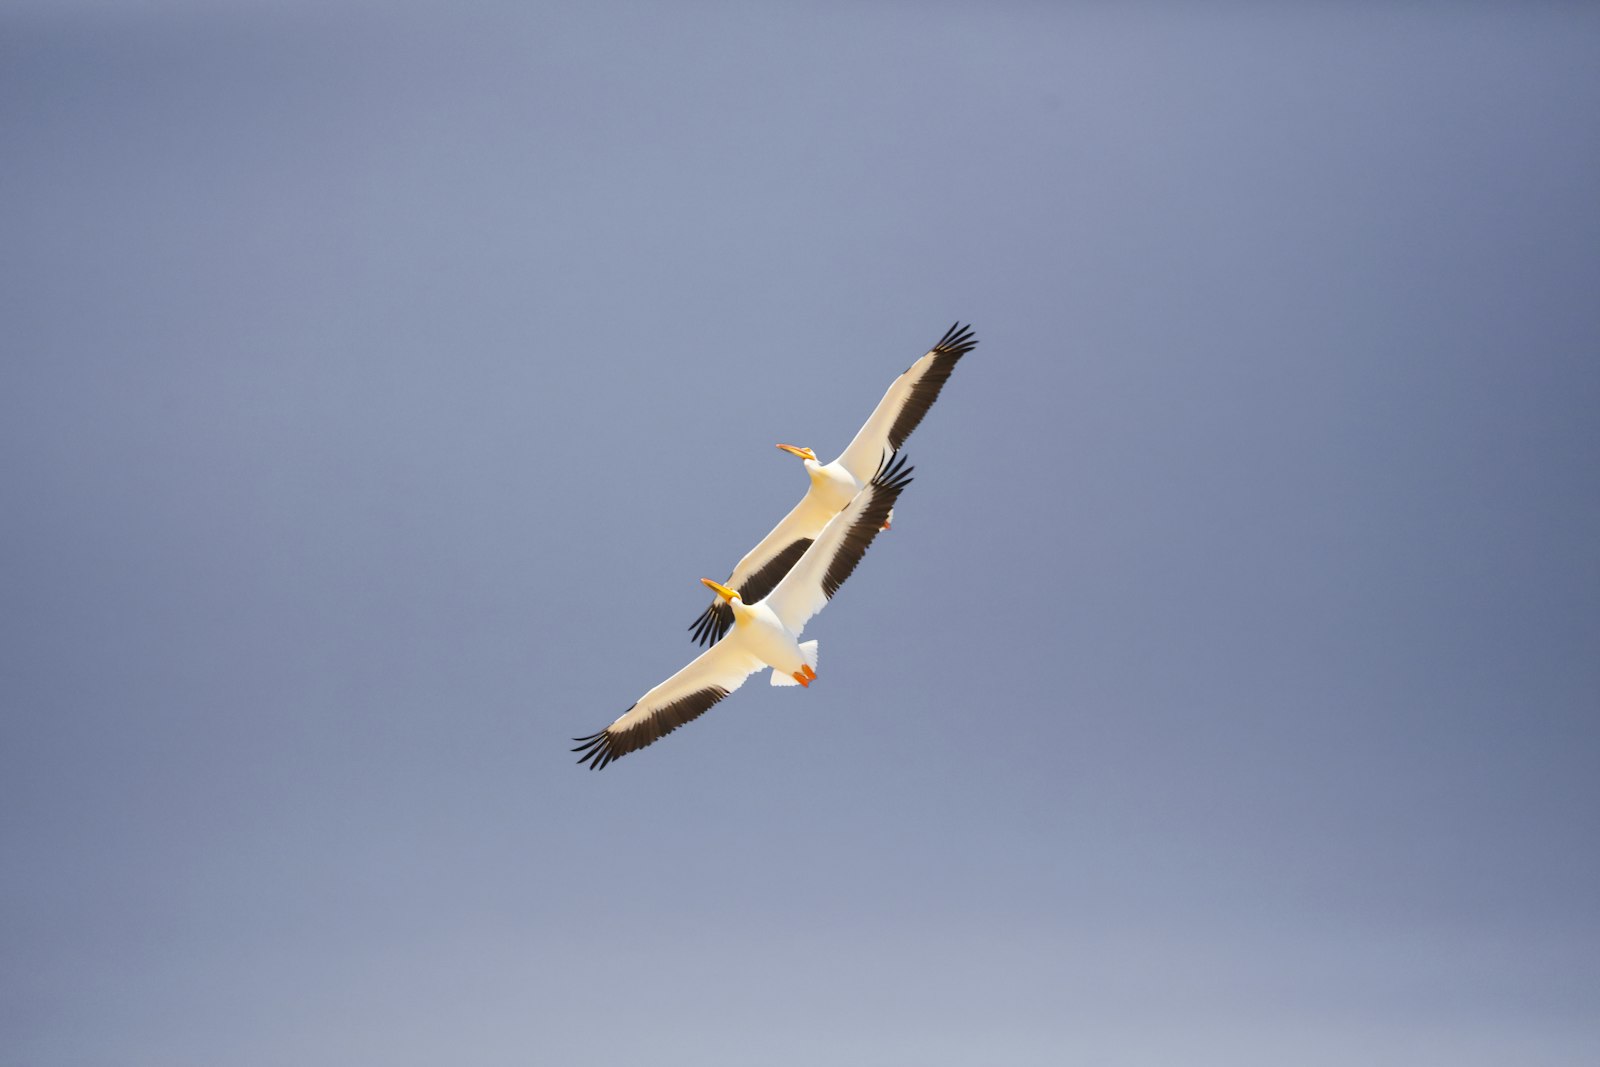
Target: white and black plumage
x=765 y=634
x=833 y=485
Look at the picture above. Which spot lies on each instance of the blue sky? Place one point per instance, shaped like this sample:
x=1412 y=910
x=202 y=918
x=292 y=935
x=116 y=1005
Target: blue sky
x=379 y=379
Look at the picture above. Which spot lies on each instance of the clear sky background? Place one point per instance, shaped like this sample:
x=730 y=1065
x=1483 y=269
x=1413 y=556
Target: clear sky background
x=377 y=381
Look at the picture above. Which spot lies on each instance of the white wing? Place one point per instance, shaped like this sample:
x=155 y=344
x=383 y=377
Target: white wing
x=832 y=557
x=903 y=406
x=708 y=678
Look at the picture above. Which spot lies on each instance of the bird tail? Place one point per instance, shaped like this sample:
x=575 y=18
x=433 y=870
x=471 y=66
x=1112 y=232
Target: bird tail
x=808 y=653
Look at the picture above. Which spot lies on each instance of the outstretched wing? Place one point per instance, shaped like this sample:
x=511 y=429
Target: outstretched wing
x=687 y=695
x=907 y=401
x=833 y=556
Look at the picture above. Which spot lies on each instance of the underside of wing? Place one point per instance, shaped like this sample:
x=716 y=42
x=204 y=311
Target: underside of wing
x=908 y=399
x=687 y=695
x=833 y=557
x=713 y=623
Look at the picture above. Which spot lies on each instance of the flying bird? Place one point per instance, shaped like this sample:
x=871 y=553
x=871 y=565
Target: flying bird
x=765 y=634
x=833 y=485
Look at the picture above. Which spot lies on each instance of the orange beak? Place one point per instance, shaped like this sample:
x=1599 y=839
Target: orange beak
x=721 y=590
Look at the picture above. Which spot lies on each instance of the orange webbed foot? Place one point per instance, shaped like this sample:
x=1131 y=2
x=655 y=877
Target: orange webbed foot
x=800 y=677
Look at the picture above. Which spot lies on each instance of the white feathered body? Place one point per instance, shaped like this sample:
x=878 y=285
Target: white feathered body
x=758 y=630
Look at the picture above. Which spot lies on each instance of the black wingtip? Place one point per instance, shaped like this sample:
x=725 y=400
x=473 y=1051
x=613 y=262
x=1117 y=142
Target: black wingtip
x=712 y=624
x=595 y=750
x=701 y=627
x=893 y=473
x=957 y=339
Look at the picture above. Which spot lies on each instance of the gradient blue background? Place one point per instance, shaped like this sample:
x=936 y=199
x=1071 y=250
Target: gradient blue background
x=378 y=380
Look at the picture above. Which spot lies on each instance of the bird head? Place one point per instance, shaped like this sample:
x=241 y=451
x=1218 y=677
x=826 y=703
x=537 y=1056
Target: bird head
x=803 y=453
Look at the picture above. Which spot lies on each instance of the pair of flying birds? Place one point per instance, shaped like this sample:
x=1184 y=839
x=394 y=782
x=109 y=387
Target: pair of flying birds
x=787 y=578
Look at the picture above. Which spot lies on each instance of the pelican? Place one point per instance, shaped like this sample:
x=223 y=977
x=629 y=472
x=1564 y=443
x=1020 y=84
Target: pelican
x=765 y=634
x=833 y=485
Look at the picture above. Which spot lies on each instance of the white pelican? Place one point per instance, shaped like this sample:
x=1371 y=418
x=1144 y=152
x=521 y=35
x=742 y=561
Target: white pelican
x=766 y=634
x=833 y=485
